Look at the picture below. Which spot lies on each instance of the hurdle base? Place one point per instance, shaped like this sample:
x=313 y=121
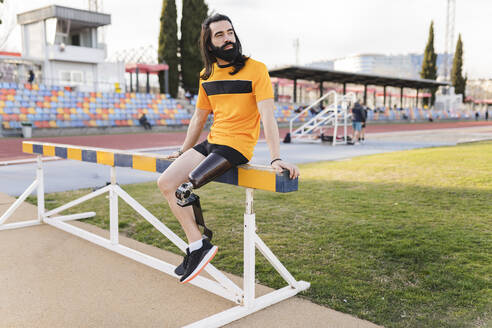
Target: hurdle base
x=241 y=311
x=22 y=224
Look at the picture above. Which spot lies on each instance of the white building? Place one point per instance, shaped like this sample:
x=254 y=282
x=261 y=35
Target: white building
x=479 y=89
x=403 y=66
x=64 y=41
x=365 y=64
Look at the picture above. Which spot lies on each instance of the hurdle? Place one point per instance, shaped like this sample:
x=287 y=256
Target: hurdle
x=249 y=176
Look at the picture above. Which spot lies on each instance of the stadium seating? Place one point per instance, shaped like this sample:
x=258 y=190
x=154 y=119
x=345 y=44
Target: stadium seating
x=285 y=112
x=58 y=107
x=416 y=114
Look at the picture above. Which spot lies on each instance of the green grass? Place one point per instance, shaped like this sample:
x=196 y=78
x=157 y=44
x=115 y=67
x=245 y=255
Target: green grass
x=401 y=239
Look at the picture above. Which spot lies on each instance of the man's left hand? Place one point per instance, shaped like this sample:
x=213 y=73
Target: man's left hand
x=281 y=165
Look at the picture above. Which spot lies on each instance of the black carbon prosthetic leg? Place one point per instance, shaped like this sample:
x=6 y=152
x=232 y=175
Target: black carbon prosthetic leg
x=210 y=168
x=194 y=201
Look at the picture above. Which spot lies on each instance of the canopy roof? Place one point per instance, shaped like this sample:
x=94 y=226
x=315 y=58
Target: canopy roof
x=146 y=68
x=325 y=75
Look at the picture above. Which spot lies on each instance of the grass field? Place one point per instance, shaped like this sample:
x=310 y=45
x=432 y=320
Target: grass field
x=401 y=239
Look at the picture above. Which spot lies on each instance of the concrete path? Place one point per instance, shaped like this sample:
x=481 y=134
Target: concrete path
x=50 y=278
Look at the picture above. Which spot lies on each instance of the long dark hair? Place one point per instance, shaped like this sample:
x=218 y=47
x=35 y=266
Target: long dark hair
x=206 y=43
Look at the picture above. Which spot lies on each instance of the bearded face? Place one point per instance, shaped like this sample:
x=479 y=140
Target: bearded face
x=228 y=52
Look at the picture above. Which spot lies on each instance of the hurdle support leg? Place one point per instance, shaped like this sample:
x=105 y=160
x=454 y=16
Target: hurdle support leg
x=113 y=209
x=40 y=194
x=249 y=250
x=37 y=184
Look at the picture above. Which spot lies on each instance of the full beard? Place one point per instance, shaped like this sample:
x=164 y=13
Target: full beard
x=229 y=55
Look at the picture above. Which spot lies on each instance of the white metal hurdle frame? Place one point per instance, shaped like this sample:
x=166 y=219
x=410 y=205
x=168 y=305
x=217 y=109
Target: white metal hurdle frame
x=222 y=286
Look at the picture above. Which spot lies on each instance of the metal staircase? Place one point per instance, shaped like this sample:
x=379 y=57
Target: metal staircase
x=335 y=114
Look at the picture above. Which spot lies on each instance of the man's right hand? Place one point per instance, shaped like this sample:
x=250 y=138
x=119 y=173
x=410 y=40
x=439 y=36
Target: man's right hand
x=175 y=154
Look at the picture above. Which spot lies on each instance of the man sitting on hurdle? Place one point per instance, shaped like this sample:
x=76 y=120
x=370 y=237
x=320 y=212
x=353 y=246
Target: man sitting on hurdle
x=238 y=91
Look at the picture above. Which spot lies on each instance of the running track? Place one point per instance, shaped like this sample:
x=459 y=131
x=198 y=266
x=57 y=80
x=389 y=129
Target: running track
x=11 y=149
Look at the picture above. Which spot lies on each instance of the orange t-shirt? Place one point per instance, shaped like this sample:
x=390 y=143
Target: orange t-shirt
x=233 y=100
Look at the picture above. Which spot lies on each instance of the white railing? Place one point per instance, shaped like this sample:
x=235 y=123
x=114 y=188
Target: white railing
x=335 y=113
x=332 y=92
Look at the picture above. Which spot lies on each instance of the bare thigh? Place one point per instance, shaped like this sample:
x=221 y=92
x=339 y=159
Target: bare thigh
x=177 y=173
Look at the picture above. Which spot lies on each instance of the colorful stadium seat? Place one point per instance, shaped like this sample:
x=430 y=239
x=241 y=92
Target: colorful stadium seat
x=54 y=107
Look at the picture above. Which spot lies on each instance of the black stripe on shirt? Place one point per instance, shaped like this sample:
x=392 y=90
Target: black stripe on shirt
x=227 y=87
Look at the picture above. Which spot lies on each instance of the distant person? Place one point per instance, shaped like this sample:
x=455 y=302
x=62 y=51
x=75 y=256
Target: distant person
x=315 y=112
x=188 y=96
x=487 y=115
x=363 y=125
x=357 y=118
x=477 y=115
x=144 y=122
x=31 y=77
x=299 y=109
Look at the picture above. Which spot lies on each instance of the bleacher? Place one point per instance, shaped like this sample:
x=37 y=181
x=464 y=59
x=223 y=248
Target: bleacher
x=59 y=107
x=415 y=114
x=285 y=112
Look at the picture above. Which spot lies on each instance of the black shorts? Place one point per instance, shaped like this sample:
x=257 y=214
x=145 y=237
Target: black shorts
x=363 y=124
x=230 y=154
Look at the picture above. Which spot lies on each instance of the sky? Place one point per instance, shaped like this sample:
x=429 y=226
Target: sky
x=327 y=29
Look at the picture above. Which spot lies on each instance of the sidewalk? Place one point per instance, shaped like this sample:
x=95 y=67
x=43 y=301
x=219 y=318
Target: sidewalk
x=50 y=278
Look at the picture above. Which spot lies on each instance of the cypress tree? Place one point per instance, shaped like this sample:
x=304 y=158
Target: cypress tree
x=429 y=67
x=194 y=13
x=168 y=46
x=457 y=79
x=1 y=1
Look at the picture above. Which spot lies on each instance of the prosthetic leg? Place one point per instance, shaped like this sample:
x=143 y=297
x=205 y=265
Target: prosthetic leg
x=210 y=168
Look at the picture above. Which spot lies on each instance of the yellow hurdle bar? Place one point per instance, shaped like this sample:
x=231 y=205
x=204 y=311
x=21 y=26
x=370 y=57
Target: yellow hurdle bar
x=249 y=175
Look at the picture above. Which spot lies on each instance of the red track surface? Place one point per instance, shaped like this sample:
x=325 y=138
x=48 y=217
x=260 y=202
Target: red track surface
x=11 y=148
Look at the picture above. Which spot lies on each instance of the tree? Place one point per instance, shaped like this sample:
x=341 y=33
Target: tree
x=168 y=46
x=429 y=66
x=1 y=1
x=457 y=79
x=194 y=13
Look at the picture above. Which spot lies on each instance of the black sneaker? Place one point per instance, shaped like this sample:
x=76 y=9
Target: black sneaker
x=180 y=269
x=197 y=260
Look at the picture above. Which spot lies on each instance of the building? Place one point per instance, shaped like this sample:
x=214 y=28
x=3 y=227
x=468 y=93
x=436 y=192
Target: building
x=322 y=64
x=479 y=89
x=403 y=66
x=62 y=43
